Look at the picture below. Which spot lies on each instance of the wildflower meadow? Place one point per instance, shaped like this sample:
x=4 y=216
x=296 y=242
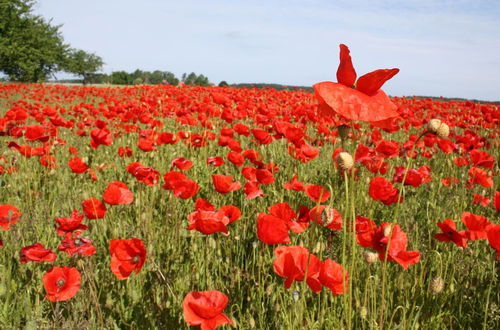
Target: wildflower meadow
x=174 y=206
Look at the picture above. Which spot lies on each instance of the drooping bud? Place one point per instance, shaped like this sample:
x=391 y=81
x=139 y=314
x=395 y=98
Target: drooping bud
x=436 y=126
x=345 y=161
x=370 y=257
x=437 y=285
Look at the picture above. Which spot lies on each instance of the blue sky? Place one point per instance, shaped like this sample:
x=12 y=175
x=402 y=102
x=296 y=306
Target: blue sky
x=449 y=48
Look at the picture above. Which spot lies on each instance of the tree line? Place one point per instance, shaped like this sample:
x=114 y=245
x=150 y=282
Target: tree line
x=139 y=77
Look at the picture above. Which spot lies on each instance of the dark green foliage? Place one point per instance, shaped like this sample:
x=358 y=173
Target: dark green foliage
x=83 y=64
x=30 y=47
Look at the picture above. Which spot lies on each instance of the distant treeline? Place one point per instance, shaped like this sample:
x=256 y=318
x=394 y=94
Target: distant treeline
x=273 y=86
x=139 y=77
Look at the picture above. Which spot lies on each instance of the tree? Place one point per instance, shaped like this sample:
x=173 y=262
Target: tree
x=30 y=47
x=83 y=64
x=121 y=78
x=223 y=84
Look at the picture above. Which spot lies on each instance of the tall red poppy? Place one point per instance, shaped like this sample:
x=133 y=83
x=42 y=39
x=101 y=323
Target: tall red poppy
x=382 y=190
x=450 y=234
x=292 y=262
x=224 y=183
x=9 y=215
x=494 y=238
x=127 y=256
x=117 y=193
x=72 y=244
x=361 y=100
x=317 y=193
x=205 y=308
x=61 y=283
x=37 y=253
x=477 y=226
x=334 y=277
x=94 y=208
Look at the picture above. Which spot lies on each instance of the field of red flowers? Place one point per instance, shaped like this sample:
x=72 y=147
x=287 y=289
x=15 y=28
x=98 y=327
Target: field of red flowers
x=165 y=206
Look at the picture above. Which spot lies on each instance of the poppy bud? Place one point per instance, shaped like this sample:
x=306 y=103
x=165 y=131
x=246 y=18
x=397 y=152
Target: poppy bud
x=443 y=131
x=329 y=215
x=437 y=285
x=370 y=257
x=343 y=131
x=345 y=161
x=436 y=126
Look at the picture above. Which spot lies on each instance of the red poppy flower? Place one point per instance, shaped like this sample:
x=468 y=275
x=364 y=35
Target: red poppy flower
x=482 y=159
x=117 y=193
x=61 y=283
x=293 y=261
x=37 y=253
x=294 y=184
x=449 y=233
x=264 y=176
x=317 y=193
x=387 y=149
x=262 y=136
x=366 y=102
x=494 y=238
x=70 y=224
x=252 y=190
x=479 y=176
x=77 y=165
x=215 y=161
x=205 y=308
x=207 y=220
x=182 y=186
x=242 y=129
x=253 y=156
x=305 y=153
x=35 y=133
x=125 y=152
x=480 y=199
x=326 y=216
x=448 y=181
x=334 y=277
x=182 y=163
x=144 y=174
x=127 y=256
x=9 y=215
x=49 y=161
x=72 y=244
x=224 y=183
x=93 y=208
x=365 y=229
x=236 y=158
x=477 y=226
x=382 y=190
x=100 y=137
x=397 y=245
x=496 y=201
x=272 y=230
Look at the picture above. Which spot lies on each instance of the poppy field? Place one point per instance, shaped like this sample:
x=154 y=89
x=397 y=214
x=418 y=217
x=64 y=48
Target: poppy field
x=175 y=206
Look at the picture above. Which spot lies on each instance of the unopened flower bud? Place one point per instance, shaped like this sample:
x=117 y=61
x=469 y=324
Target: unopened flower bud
x=433 y=125
x=437 y=285
x=443 y=131
x=345 y=161
x=370 y=257
x=327 y=216
x=436 y=126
